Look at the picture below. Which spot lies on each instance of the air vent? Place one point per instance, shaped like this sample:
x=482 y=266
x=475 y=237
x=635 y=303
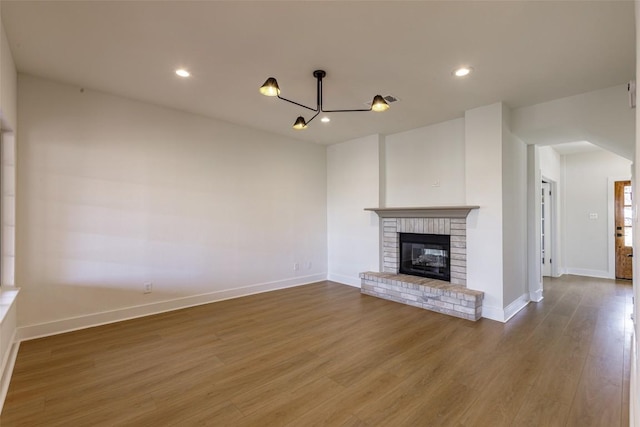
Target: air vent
x=389 y=98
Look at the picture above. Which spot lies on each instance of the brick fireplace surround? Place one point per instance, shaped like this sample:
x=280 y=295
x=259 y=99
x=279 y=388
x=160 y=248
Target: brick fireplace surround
x=452 y=298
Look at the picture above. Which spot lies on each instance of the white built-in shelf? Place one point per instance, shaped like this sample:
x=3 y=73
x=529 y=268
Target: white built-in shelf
x=424 y=212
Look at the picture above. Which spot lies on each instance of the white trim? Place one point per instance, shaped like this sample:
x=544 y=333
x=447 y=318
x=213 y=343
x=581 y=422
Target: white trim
x=6 y=357
x=534 y=183
x=549 y=225
x=555 y=224
x=424 y=212
x=611 y=223
x=600 y=274
x=536 y=296
x=503 y=315
x=96 y=319
x=345 y=280
x=7 y=370
x=517 y=305
x=634 y=411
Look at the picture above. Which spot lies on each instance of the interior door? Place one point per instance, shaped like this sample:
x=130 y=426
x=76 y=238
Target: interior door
x=545 y=241
x=624 y=239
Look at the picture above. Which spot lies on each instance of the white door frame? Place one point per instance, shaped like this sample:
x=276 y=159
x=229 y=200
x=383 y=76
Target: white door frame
x=553 y=240
x=611 y=223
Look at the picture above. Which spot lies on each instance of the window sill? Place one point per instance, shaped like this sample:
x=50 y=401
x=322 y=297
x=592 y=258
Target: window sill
x=8 y=297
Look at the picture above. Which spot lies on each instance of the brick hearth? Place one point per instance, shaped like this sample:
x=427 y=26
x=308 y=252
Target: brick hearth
x=430 y=294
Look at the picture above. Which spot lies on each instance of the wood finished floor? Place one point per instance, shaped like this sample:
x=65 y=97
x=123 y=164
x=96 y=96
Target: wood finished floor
x=323 y=354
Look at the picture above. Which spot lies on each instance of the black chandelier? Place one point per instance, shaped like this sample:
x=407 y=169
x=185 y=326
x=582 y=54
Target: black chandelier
x=270 y=88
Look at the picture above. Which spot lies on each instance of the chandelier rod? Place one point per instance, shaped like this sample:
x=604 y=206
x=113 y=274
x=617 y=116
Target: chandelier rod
x=319 y=74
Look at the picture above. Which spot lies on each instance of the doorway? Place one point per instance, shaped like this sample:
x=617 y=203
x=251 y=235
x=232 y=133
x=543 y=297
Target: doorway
x=545 y=228
x=623 y=211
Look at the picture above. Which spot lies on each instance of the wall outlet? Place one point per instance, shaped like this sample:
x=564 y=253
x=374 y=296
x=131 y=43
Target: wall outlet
x=296 y=266
x=147 y=288
x=309 y=265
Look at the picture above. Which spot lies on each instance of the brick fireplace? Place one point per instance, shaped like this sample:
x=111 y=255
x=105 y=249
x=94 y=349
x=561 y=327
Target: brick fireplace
x=447 y=297
x=454 y=227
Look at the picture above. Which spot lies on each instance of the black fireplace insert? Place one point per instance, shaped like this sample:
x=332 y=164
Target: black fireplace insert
x=425 y=255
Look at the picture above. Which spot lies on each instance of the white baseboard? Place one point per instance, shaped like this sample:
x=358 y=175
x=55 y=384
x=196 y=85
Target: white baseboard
x=492 y=313
x=96 y=319
x=600 y=274
x=536 y=296
x=7 y=370
x=513 y=308
x=503 y=315
x=345 y=280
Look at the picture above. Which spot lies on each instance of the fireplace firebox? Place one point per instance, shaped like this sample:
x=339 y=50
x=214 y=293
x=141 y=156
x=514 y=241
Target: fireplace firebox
x=425 y=255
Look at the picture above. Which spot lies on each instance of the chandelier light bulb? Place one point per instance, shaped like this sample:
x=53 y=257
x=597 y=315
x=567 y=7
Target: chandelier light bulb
x=379 y=104
x=270 y=87
x=300 y=124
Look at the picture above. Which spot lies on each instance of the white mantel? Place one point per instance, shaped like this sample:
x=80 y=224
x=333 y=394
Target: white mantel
x=424 y=212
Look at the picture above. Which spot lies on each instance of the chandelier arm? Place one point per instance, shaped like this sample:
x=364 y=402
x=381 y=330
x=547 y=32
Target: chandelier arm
x=298 y=104
x=319 y=90
x=314 y=116
x=346 y=111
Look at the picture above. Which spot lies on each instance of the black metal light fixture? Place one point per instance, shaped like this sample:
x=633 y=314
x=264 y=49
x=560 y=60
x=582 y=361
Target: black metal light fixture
x=270 y=88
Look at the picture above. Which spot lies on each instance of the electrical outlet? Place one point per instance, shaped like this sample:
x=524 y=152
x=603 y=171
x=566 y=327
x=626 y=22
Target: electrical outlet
x=296 y=266
x=309 y=265
x=147 y=288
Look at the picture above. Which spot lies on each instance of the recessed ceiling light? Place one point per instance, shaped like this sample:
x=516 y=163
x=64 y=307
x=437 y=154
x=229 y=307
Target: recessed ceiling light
x=183 y=73
x=462 y=71
x=325 y=119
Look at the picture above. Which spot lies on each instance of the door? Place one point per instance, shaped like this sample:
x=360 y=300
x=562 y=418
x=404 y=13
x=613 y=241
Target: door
x=545 y=240
x=624 y=219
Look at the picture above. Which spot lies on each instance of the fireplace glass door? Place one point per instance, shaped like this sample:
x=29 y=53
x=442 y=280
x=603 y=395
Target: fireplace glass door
x=425 y=255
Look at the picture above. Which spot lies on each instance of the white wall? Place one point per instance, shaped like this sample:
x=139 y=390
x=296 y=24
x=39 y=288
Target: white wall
x=550 y=163
x=8 y=85
x=602 y=117
x=483 y=179
x=534 y=226
x=117 y=193
x=514 y=215
x=586 y=189
x=425 y=166
x=353 y=184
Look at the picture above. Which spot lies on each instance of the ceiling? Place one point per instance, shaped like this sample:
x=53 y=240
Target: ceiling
x=522 y=52
x=576 y=147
